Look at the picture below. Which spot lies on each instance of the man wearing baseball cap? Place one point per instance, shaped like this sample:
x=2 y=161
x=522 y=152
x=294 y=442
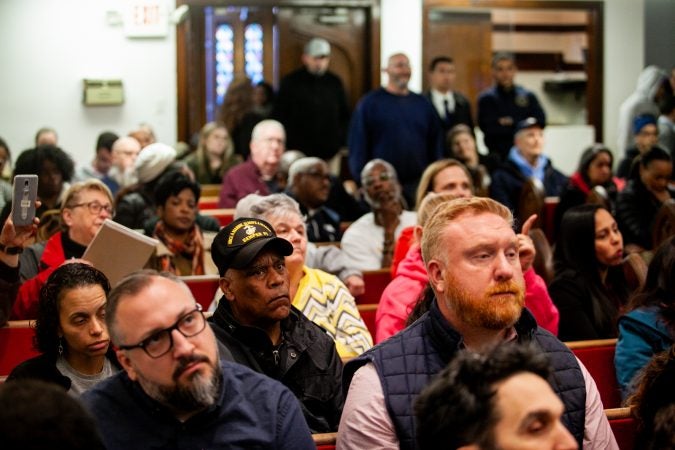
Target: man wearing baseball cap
x=256 y=321
x=525 y=160
x=312 y=104
x=646 y=136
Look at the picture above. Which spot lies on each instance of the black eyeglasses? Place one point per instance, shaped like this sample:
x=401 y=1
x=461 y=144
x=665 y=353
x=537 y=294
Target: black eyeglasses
x=95 y=207
x=161 y=342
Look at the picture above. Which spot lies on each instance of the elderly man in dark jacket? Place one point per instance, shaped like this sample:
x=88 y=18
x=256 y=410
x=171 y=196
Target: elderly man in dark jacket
x=526 y=160
x=256 y=321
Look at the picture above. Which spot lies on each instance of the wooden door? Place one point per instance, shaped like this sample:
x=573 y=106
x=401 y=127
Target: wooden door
x=351 y=26
x=344 y=28
x=467 y=39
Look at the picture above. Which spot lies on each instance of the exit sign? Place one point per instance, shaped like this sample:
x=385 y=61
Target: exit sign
x=146 y=18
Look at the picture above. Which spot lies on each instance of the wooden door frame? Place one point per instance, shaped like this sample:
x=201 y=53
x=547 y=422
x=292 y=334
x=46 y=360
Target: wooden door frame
x=191 y=109
x=595 y=70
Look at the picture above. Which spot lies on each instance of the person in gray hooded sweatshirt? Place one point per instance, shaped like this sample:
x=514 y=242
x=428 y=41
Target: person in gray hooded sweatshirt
x=641 y=101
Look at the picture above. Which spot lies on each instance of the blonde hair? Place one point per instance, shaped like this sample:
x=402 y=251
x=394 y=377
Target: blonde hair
x=430 y=203
x=73 y=194
x=200 y=153
x=432 y=239
x=427 y=180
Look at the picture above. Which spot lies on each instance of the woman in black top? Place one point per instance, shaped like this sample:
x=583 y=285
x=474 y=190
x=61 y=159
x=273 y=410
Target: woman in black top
x=638 y=204
x=589 y=288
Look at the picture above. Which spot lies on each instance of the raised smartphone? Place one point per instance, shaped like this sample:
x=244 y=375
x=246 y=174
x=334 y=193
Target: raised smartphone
x=23 y=200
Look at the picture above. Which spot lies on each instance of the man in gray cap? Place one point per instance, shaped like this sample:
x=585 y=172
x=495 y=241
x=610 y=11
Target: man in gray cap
x=312 y=104
x=257 y=323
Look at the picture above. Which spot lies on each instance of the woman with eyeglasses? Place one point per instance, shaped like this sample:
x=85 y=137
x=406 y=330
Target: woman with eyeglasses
x=71 y=332
x=86 y=206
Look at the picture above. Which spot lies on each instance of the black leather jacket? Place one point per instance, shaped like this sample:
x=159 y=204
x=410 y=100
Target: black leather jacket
x=306 y=362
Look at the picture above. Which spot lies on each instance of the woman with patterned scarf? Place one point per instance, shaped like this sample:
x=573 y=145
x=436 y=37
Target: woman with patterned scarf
x=182 y=244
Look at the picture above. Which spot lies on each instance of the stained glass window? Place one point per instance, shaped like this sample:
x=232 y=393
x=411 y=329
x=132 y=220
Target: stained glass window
x=253 y=51
x=224 y=60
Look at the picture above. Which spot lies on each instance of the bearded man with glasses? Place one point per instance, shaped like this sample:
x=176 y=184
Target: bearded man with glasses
x=86 y=206
x=176 y=391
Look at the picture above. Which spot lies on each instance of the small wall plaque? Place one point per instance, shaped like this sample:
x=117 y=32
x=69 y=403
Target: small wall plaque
x=103 y=92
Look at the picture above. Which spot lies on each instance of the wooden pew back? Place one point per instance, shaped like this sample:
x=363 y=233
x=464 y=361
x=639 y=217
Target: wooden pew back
x=207 y=202
x=368 y=312
x=224 y=215
x=623 y=426
x=375 y=281
x=325 y=441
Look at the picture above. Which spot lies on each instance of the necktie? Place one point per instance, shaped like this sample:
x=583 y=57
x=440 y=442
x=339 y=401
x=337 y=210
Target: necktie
x=448 y=114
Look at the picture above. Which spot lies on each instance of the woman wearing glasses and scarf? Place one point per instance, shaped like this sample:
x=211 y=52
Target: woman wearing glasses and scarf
x=71 y=332
x=86 y=206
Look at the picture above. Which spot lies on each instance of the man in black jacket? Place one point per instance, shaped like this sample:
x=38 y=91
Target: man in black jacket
x=312 y=105
x=256 y=321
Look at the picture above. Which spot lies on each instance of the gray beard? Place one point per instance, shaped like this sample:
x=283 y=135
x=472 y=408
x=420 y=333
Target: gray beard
x=200 y=392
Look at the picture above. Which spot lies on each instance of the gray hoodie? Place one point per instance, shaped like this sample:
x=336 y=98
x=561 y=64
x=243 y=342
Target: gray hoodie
x=639 y=102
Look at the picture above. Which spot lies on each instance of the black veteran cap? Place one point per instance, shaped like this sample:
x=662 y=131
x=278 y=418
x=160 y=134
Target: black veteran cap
x=238 y=244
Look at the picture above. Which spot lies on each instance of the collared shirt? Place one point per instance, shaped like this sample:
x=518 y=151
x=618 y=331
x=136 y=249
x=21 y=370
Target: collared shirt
x=438 y=99
x=366 y=423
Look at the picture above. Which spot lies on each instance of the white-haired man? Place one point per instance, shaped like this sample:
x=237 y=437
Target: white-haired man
x=256 y=175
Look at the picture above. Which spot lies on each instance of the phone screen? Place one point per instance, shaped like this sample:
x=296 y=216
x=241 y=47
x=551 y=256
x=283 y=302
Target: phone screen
x=23 y=200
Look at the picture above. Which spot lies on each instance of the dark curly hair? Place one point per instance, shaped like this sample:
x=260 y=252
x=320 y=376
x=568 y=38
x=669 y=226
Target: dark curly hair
x=64 y=278
x=458 y=407
x=172 y=184
x=30 y=161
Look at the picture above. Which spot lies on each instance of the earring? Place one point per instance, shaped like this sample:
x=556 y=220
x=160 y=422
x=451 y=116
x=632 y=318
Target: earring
x=60 y=348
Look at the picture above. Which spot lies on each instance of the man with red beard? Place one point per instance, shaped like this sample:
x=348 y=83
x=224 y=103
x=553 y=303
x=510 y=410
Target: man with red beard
x=176 y=391
x=471 y=255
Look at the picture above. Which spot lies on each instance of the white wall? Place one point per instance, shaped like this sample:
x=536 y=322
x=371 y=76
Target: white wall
x=623 y=59
x=401 y=31
x=49 y=47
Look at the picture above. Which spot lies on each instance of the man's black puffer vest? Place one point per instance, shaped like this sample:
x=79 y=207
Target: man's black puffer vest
x=408 y=361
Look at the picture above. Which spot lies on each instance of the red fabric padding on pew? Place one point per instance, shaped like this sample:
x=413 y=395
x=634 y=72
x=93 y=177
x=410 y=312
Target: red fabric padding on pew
x=16 y=346
x=203 y=288
x=624 y=431
x=375 y=281
x=600 y=364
